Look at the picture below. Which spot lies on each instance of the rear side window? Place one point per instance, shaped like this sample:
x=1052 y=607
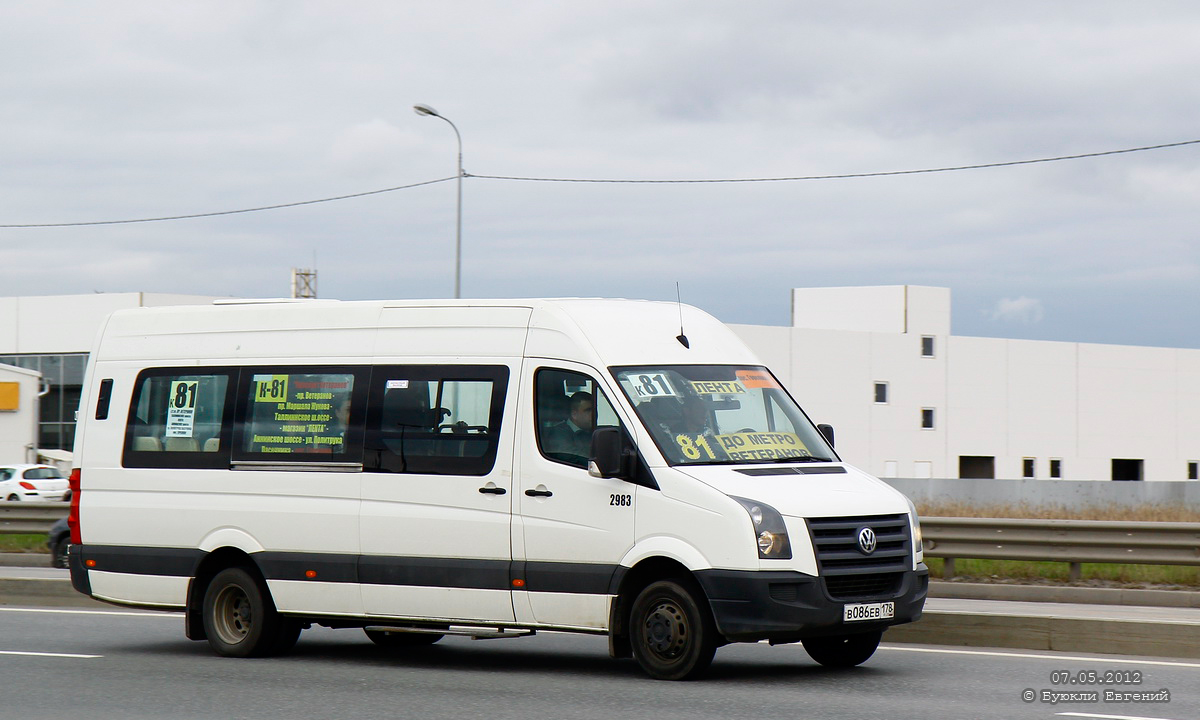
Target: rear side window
x=179 y=418
x=437 y=420
x=301 y=414
x=103 y=398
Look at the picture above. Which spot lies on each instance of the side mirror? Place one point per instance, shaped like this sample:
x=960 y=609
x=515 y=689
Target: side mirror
x=827 y=431
x=608 y=454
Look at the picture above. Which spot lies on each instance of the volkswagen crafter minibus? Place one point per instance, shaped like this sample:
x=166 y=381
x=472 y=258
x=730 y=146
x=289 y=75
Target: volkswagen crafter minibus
x=419 y=469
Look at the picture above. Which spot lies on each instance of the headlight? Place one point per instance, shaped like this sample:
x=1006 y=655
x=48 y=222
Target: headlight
x=770 y=532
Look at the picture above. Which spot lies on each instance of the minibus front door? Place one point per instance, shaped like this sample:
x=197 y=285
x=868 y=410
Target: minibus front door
x=573 y=528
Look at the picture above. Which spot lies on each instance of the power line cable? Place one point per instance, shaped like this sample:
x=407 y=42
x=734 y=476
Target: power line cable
x=229 y=212
x=843 y=176
x=850 y=175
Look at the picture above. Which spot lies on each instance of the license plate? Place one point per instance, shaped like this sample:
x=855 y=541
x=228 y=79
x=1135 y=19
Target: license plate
x=868 y=611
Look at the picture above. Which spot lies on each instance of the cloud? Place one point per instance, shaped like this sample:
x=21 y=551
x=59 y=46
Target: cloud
x=127 y=110
x=1023 y=310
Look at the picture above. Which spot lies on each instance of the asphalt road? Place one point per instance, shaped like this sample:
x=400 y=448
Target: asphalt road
x=60 y=663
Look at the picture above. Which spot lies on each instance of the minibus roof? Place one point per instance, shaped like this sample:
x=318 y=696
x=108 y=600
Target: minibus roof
x=603 y=332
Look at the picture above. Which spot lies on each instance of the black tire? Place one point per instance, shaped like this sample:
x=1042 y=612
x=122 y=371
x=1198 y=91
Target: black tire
x=240 y=618
x=58 y=552
x=14 y=498
x=843 y=651
x=401 y=639
x=672 y=633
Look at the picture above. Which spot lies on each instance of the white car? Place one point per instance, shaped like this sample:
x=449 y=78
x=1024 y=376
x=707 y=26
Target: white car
x=39 y=483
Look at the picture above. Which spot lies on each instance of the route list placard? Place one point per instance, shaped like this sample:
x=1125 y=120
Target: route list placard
x=298 y=413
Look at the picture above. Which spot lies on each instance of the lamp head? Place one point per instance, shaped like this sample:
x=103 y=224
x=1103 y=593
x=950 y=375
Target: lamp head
x=425 y=110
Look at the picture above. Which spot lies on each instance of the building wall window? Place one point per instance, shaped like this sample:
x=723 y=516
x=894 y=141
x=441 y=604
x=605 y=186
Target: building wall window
x=1056 y=468
x=1194 y=470
x=62 y=375
x=1127 y=469
x=1028 y=468
x=977 y=466
x=881 y=393
x=927 y=419
x=927 y=346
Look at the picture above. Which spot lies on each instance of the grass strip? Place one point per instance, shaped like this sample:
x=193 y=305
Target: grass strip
x=1058 y=572
x=23 y=543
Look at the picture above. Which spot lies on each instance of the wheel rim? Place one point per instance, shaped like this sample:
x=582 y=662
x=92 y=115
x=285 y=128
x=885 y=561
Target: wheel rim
x=666 y=631
x=232 y=616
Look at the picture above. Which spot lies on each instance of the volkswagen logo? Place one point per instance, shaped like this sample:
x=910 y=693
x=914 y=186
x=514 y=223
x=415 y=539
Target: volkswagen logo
x=866 y=540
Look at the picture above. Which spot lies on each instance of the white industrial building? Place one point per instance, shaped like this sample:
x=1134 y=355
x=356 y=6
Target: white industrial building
x=51 y=335
x=907 y=398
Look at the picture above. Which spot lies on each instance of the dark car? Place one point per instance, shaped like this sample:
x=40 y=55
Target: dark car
x=58 y=539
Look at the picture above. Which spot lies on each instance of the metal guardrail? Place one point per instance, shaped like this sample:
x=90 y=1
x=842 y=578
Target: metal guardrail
x=30 y=518
x=1069 y=541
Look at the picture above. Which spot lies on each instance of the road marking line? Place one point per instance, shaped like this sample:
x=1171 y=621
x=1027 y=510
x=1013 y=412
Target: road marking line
x=1079 y=658
x=45 y=654
x=1108 y=717
x=57 y=611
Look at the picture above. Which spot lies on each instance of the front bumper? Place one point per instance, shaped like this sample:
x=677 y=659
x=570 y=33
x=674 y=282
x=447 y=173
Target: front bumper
x=788 y=606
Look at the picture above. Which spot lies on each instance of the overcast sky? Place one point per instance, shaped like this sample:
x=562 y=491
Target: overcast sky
x=120 y=110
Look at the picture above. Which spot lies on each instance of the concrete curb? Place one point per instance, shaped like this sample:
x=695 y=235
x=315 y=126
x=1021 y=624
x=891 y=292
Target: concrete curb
x=44 y=592
x=1061 y=634
x=29 y=559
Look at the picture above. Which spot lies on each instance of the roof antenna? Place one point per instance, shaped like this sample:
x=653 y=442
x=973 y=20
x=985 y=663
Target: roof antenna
x=681 y=337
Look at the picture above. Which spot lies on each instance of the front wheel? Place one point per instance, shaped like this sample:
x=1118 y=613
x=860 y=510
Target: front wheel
x=672 y=633
x=843 y=651
x=241 y=620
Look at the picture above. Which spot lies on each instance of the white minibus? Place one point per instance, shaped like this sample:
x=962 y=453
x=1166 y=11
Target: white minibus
x=419 y=469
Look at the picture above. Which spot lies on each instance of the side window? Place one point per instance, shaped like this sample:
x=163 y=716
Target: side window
x=568 y=406
x=179 y=418
x=435 y=419
x=301 y=414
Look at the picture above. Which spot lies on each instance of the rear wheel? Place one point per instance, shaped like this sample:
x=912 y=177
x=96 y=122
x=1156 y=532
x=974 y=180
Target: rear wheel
x=14 y=497
x=671 y=632
x=400 y=639
x=240 y=619
x=843 y=650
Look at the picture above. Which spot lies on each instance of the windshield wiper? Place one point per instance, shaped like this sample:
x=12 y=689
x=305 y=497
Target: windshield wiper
x=800 y=458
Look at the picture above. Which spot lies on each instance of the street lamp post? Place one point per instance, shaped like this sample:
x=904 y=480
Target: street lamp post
x=426 y=110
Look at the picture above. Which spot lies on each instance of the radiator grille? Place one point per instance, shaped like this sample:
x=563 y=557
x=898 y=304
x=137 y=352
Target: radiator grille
x=851 y=573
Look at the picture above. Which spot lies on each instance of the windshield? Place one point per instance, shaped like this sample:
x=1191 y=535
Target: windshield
x=711 y=414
